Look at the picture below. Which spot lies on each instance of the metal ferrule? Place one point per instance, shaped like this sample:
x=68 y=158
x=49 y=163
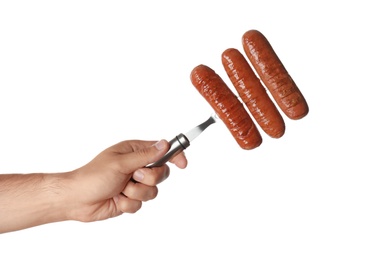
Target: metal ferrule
x=177 y=145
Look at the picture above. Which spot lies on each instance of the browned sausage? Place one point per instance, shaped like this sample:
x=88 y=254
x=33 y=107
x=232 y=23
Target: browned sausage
x=253 y=93
x=227 y=106
x=274 y=75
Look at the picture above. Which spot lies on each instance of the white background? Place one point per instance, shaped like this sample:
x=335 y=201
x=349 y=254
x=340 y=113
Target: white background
x=79 y=76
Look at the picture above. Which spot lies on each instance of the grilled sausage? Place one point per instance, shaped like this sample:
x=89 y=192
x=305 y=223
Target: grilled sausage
x=274 y=75
x=227 y=106
x=253 y=93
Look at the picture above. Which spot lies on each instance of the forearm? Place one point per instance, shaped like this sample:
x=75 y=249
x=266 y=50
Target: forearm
x=28 y=200
x=99 y=190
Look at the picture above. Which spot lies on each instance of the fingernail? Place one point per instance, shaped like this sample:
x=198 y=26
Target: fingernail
x=159 y=145
x=138 y=175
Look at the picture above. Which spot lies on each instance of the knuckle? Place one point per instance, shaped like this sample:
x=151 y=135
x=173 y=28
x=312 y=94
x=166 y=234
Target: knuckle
x=159 y=175
x=130 y=206
x=167 y=173
x=152 y=193
x=130 y=190
x=144 y=152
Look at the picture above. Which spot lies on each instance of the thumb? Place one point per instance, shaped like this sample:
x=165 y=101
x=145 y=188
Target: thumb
x=144 y=156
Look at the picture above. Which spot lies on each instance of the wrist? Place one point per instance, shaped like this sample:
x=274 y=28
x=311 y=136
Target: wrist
x=60 y=196
x=72 y=199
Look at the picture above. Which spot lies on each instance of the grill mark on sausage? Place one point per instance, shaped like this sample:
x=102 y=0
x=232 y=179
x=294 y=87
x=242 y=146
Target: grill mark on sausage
x=253 y=93
x=274 y=75
x=227 y=106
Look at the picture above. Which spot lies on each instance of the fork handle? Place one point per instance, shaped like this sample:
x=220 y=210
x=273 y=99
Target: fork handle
x=177 y=145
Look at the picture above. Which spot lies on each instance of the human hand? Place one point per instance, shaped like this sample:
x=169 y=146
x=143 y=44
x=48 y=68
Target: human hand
x=116 y=181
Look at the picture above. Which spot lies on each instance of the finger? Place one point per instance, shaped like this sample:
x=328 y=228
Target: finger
x=180 y=160
x=127 y=205
x=152 y=176
x=132 y=161
x=139 y=191
x=130 y=146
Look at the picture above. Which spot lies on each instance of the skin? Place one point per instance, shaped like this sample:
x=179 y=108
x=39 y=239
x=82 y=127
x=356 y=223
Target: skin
x=113 y=183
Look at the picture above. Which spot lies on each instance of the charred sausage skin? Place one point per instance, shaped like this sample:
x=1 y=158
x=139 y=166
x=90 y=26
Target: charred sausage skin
x=253 y=93
x=274 y=75
x=227 y=106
